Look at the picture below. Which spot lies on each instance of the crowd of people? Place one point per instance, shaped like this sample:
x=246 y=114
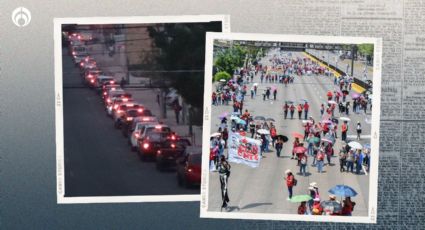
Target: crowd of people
x=319 y=137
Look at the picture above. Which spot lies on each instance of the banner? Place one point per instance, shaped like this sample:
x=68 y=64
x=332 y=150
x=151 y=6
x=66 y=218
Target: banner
x=243 y=150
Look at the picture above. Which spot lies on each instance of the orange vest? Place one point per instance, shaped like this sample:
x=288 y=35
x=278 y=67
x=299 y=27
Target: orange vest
x=344 y=128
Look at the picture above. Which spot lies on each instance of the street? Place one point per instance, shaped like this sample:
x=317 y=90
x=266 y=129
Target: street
x=98 y=160
x=263 y=189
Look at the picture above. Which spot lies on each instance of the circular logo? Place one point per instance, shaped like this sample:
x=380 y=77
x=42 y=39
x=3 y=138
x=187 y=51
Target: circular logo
x=21 y=17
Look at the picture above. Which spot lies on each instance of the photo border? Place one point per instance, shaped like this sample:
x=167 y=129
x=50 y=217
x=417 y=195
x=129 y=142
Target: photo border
x=373 y=173
x=58 y=73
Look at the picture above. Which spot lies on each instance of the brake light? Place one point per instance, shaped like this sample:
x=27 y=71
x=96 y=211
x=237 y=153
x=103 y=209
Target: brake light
x=90 y=76
x=82 y=64
x=74 y=53
x=137 y=135
x=129 y=118
x=125 y=99
x=173 y=137
x=140 y=110
x=79 y=37
x=173 y=146
x=158 y=127
x=112 y=82
x=115 y=106
x=189 y=169
x=158 y=152
x=104 y=93
x=146 y=145
x=108 y=100
x=120 y=111
x=92 y=80
x=145 y=119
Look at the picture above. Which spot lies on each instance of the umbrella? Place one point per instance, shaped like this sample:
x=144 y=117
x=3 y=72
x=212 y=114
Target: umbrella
x=327 y=121
x=331 y=205
x=300 y=149
x=314 y=140
x=345 y=119
x=355 y=95
x=343 y=190
x=234 y=117
x=283 y=137
x=329 y=94
x=222 y=80
x=270 y=119
x=226 y=87
x=334 y=120
x=255 y=84
x=223 y=115
x=263 y=131
x=300 y=198
x=241 y=121
x=327 y=140
x=273 y=87
x=332 y=102
x=366 y=146
x=259 y=118
x=215 y=134
x=355 y=145
x=299 y=135
x=235 y=113
x=307 y=121
x=345 y=91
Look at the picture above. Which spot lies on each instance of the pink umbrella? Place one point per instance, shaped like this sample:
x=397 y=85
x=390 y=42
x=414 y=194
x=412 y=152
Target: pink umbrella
x=327 y=121
x=355 y=95
x=273 y=87
x=326 y=140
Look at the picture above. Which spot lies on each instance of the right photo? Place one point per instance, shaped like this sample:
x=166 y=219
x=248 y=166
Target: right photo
x=291 y=128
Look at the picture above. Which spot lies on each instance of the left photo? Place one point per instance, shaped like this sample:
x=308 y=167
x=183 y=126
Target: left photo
x=129 y=99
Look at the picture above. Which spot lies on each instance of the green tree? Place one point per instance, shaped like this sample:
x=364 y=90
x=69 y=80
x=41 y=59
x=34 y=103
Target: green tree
x=222 y=75
x=365 y=49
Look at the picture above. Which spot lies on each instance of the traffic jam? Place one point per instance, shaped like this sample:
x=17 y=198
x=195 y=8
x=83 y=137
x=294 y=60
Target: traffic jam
x=149 y=137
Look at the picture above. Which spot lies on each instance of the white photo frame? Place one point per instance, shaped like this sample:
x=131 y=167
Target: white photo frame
x=59 y=122
x=373 y=179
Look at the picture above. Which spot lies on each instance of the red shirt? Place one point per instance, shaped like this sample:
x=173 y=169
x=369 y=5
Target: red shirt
x=290 y=181
x=306 y=107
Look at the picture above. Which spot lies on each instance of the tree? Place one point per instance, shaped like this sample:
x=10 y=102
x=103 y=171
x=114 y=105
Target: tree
x=365 y=49
x=222 y=75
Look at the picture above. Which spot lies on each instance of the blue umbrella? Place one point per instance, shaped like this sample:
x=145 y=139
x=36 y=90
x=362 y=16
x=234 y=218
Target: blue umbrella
x=366 y=146
x=343 y=190
x=240 y=121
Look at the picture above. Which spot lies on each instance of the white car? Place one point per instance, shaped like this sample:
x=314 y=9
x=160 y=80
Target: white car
x=100 y=79
x=138 y=129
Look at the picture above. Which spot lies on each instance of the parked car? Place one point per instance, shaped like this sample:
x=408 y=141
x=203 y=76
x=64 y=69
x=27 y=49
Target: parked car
x=152 y=142
x=174 y=148
x=189 y=167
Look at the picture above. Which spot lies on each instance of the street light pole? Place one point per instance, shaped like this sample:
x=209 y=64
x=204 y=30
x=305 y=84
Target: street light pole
x=352 y=60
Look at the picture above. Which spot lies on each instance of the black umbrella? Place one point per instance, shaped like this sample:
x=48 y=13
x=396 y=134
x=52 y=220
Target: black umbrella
x=345 y=91
x=270 y=119
x=334 y=120
x=282 y=137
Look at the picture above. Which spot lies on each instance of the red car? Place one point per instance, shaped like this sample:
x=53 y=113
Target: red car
x=189 y=167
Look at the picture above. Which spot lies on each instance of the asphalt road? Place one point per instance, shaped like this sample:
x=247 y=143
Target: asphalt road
x=263 y=189
x=98 y=161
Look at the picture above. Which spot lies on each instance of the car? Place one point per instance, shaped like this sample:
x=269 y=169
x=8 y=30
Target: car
x=171 y=150
x=143 y=113
x=122 y=107
x=88 y=63
x=116 y=102
x=100 y=79
x=115 y=93
x=165 y=157
x=153 y=141
x=79 y=57
x=75 y=50
x=128 y=115
x=90 y=76
x=137 y=130
x=188 y=167
x=107 y=88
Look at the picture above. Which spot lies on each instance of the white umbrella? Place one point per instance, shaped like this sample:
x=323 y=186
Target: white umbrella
x=345 y=119
x=215 y=134
x=263 y=131
x=223 y=80
x=355 y=145
x=332 y=102
x=307 y=121
x=255 y=84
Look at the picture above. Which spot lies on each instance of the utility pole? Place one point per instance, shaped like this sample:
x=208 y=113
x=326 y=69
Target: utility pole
x=353 y=50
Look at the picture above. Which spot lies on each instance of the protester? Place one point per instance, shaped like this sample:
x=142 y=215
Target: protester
x=348 y=207
x=344 y=129
x=320 y=159
x=342 y=160
x=290 y=182
x=350 y=161
x=300 y=110
x=285 y=110
x=303 y=164
x=302 y=209
x=292 y=110
x=359 y=130
x=224 y=171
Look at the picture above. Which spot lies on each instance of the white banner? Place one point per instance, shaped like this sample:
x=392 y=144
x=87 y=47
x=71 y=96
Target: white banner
x=244 y=150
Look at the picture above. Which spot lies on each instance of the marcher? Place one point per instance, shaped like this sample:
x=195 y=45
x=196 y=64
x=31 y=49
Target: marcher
x=342 y=160
x=290 y=182
x=302 y=209
x=322 y=109
x=320 y=160
x=224 y=171
x=306 y=108
x=359 y=161
x=300 y=110
x=303 y=164
x=359 y=130
x=350 y=161
x=334 y=211
x=274 y=94
x=317 y=207
x=295 y=144
x=292 y=110
x=285 y=110
x=344 y=129
x=348 y=207
x=279 y=146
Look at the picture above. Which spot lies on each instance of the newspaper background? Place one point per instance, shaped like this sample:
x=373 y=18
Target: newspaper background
x=28 y=164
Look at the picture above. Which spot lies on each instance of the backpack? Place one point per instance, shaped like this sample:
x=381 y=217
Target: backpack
x=294 y=182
